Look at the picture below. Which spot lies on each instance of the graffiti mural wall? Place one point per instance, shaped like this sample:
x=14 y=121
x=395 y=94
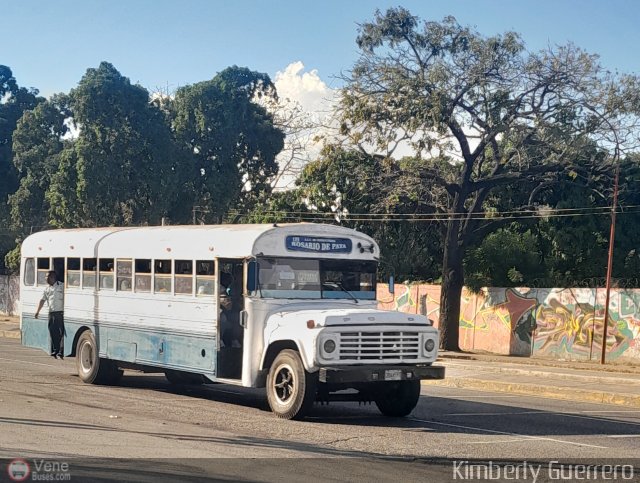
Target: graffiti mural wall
x=559 y=323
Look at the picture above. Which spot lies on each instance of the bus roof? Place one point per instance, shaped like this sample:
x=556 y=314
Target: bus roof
x=203 y=242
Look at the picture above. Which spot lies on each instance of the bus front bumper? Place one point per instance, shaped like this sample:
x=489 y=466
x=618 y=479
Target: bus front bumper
x=350 y=374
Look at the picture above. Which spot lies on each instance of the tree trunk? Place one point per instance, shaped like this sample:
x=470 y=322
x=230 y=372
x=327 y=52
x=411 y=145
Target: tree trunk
x=451 y=291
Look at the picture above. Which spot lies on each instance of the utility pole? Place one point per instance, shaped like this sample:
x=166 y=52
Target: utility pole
x=612 y=237
x=198 y=209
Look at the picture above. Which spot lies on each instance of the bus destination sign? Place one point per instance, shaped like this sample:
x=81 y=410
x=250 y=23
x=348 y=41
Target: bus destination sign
x=318 y=244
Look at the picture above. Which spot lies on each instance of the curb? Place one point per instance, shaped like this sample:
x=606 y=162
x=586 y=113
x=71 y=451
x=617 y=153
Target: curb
x=588 y=378
x=10 y=334
x=629 y=400
x=623 y=365
x=462 y=357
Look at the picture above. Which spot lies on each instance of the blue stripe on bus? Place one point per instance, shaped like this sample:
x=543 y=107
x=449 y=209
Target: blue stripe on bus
x=154 y=347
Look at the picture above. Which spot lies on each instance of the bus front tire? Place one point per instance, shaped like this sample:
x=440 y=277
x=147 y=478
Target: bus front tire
x=291 y=390
x=397 y=399
x=92 y=369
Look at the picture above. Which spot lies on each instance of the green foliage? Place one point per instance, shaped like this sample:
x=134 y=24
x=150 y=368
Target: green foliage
x=229 y=139
x=280 y=207
x=37 y=145
x=12 y=259
x=124 y=155
x=507 y=257
x=14 y=101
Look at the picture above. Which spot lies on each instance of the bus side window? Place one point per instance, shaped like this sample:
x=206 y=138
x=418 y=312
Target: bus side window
x=105 y=266
x=44 y=265
x=123 y=271
x=89 y=266
x=73 y=272
x=162 y=276
x=205 y=279
x=184 y=277
x=143 y=275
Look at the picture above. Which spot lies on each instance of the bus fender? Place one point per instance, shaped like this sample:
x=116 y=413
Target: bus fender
x=280 y=337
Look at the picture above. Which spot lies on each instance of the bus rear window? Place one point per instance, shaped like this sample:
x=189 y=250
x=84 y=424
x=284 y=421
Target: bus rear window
x=29 y=272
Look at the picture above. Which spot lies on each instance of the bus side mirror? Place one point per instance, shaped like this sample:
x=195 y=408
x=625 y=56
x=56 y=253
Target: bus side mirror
x=392 y=288
x=252 y=270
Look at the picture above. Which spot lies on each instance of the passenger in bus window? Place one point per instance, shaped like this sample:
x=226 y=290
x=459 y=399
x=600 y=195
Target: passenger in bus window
x=204 y=268
x=143 y=283
x=225 y=284
x=53 y=295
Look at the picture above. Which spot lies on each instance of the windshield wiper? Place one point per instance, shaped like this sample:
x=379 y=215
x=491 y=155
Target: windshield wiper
x=341 y=286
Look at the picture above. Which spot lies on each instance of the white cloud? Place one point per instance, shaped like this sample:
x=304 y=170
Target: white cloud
x=308 y=103
x=305 y=88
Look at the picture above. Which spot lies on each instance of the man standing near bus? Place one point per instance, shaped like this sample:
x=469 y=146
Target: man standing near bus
x=54 y=296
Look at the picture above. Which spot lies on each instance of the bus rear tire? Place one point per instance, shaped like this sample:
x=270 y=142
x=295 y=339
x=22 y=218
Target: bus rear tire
x=398 y=399
x=92 y=369
x=291 y=390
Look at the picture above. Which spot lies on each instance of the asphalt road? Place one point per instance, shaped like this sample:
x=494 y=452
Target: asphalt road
x=145 y=428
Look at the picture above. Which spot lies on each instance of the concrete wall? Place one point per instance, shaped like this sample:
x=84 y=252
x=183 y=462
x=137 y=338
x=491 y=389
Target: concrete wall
x=9 y=294
x=558 y=323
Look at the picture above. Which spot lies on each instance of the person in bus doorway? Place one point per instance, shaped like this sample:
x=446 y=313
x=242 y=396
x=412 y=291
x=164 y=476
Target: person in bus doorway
x=229 y=313
x=225 y=308
x=53 y=295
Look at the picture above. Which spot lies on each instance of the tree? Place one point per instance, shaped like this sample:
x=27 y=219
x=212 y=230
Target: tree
x=14 y=101
x=230 y=139
x=125 y=164
x=505 y=116
x=37 y=146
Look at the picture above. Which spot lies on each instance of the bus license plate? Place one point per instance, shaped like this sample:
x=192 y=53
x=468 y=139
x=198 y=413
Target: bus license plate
x=392 y=375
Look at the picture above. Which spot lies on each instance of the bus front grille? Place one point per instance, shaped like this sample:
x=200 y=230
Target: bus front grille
x=379 y=346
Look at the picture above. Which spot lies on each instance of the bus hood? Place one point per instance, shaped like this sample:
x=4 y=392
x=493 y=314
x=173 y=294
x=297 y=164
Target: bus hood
x=347 y=317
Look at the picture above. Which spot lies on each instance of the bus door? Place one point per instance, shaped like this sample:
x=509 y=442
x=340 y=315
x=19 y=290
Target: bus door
x=230 y=333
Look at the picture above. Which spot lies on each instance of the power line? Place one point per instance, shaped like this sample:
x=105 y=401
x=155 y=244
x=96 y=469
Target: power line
x=542 y=212
x=378 y=217
x=428 y=217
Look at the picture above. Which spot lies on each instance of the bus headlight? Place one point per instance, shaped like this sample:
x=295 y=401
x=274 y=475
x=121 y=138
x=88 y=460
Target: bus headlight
x=429 y=345
x=329 y=346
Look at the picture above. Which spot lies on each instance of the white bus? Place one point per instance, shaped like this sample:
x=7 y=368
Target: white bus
x=288 y=307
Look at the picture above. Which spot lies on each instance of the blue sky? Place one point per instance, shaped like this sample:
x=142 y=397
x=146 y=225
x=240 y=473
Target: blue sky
x=159 y=43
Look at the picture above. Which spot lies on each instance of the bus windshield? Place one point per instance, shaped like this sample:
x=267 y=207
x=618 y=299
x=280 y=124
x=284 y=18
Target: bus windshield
x=299 y=278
